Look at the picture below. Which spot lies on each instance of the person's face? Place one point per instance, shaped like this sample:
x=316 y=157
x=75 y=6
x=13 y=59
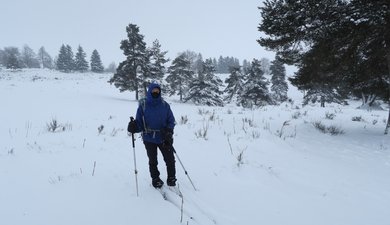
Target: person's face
x=155 y=92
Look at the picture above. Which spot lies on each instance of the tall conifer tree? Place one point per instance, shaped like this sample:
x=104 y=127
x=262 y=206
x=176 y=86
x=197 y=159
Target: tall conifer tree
x=130 y=74
x=204 y=89
x=81 y=64
x=96 y=62
x=180 y=75
x=279 y=85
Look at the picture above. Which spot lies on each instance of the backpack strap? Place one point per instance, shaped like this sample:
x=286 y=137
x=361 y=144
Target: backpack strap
x=142 y=104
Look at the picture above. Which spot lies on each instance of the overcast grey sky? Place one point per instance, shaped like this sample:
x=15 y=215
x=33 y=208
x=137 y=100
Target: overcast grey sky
x=211 y=27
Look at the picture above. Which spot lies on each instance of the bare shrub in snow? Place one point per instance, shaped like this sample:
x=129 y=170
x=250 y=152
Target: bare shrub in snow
x=203 y=112
x=357 y=119
x=240 y=157
x=114 y=131
x=100 y=129
x=333 y=130
x=212 y=116
x=54 y=126
x=296 y=115
x=330 y=116
x=280 y=132
x=202 y=133
x=319 y=126
x=255 y=134
x=183 y=119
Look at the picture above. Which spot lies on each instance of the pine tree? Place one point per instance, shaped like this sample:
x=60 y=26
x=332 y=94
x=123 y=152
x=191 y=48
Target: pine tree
x=11 y=58
x=316 y=79
x=355 y=34
x=29 y=58
x=235 y=83
x=96 y=63
x=111 y=68
x=2 y=57
x=255 y=91
x=279 y=85
x=180 y=75
x=45 y=59
x=204 y=89
x=70 y=58
x=198 y=63
x=61 y=60
x=245 y=66
x=81 y=64
x=130 y=73
x=265 y=65
x=65 y=62
x=156 y=62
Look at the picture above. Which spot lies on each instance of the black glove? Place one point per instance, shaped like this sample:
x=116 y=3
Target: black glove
x=132 y=127
x=167 y=136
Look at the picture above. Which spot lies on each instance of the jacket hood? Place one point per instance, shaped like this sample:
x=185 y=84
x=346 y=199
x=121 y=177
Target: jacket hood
x=149 y=95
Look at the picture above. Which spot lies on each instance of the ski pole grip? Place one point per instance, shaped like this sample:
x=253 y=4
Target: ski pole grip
x=132 y=134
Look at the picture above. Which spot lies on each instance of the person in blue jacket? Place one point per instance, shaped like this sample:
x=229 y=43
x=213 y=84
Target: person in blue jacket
x=155 y=120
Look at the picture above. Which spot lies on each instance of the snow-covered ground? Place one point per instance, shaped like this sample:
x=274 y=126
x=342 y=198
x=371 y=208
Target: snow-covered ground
x=266 y=166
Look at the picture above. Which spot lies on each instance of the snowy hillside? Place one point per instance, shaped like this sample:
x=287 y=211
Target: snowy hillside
x=271 y=166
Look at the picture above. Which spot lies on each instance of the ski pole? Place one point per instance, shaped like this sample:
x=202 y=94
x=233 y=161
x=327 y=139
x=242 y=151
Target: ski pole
x=185 y=171
x=135 y=161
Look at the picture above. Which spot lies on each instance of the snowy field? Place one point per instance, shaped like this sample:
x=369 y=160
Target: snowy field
x=269 y=166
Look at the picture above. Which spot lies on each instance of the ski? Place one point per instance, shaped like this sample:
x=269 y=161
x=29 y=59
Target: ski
x=174 y=196
x=175 y=190
x=163 y=193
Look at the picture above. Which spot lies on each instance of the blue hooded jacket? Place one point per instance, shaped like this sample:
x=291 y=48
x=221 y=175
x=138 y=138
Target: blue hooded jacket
x=154 y=115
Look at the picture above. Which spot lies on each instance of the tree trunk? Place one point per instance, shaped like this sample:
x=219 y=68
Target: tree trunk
x=322 y=101
x=145 y=89
x=367 y=101
x=388 y=65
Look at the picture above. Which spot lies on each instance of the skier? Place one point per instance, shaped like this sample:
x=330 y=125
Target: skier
x=156 y=122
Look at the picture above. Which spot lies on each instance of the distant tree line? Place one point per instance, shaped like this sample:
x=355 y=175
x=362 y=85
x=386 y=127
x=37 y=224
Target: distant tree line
x=66 y=61
x=196 y=80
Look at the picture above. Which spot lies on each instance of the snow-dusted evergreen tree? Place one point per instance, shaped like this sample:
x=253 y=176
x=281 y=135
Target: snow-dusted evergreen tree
x=70 y=57
x=224 y=64
x=29 y=58
x=235 y=83
x=11 y=58
x=279 y=85
x=45 y=59
x=111 y=68
x=126 y=77
x=245 y=66
x=265 y=65
x=204 y=89
x=96 y=62
x=2 y=54
x=61 y=62
x=65 y=62
x=156 y=60
x=198 y=63
x=81 y=64
x=255 y=91
x=180 y=75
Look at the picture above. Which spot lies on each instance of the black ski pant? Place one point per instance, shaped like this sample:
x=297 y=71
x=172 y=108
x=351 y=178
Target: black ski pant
x=169 y=158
